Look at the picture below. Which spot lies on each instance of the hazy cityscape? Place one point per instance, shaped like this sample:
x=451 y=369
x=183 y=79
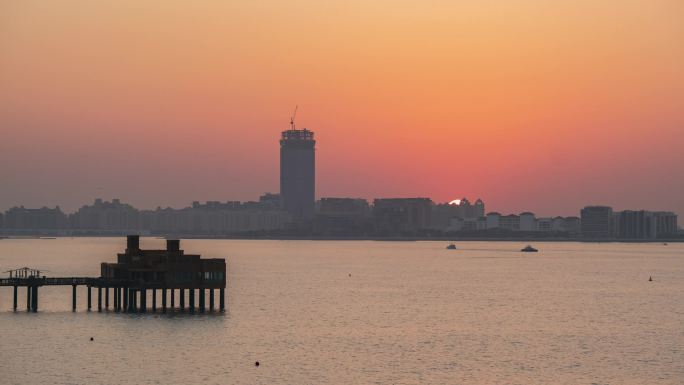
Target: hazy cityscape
x=296 y=213
x=341 y=192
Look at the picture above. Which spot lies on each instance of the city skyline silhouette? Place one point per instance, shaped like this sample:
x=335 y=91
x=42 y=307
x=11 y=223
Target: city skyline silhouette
x=105 y=102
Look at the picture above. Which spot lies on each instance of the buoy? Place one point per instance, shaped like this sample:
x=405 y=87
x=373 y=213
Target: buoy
x=256 y=363
x=650 y=279
x=91 y=338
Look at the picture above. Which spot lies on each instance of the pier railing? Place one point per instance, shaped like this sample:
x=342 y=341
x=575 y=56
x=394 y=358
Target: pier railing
x=62 y=281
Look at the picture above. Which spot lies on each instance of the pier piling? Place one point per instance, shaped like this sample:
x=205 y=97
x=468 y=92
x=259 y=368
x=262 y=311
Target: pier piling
x=124 y=299
x=34 y=299
x=163 y=293
x=191 y=295
x=133 y=303
x=143 y=300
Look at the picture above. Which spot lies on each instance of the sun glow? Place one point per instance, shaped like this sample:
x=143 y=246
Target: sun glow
x=456 y=202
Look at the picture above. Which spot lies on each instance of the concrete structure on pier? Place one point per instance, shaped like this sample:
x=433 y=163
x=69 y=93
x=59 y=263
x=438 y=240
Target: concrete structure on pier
x=170 y=268
x=137 y=276
x=164 y=270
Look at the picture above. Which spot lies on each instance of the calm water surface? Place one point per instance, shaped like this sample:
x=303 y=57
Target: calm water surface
x=411 y=312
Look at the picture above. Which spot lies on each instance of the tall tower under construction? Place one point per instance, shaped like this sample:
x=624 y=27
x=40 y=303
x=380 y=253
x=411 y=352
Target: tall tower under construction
x=298 y=172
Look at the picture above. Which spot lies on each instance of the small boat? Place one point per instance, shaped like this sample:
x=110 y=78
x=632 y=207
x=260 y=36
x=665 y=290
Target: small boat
x=529 y=249
x=451 y=247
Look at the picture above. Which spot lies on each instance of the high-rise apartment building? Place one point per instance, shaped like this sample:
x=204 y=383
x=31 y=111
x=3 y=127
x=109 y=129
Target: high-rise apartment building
x=298 y=173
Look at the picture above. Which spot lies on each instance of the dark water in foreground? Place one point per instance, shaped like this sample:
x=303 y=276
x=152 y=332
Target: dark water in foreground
x=411 y=312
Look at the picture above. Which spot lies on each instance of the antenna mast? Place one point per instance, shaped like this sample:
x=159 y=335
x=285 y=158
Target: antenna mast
x=292 y=118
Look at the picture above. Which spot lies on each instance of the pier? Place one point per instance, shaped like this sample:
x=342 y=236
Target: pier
x=137 y=275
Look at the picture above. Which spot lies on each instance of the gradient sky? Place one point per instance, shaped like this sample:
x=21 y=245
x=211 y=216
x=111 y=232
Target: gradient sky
x=531 y=105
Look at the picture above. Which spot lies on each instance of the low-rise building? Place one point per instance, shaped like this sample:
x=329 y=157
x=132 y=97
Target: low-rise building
x=402 y=215
x=25 y=220
x=443 y=213
x=642 y=224
x=493 y=220
x=468 y=224
x=573 y=225
x=544 y=224
x=217 y=218
x=343 y=216
x=634 y=225
x=105 y=216
x=509 y=222
x=666 y=223
x=596 y=222
x=528 y=222
x=470 y=210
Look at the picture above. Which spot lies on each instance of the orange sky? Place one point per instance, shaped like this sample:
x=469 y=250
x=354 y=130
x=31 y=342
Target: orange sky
x=532 y=105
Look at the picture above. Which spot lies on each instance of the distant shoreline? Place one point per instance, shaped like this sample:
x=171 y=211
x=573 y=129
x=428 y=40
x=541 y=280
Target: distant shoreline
x=440 y=239
x=351 y=238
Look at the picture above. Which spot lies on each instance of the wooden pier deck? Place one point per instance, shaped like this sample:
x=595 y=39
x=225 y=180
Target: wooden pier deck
x=52 y=281
x=127 y=295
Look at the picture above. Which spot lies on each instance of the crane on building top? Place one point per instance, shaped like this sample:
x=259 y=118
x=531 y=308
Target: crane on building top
x=292 y=118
